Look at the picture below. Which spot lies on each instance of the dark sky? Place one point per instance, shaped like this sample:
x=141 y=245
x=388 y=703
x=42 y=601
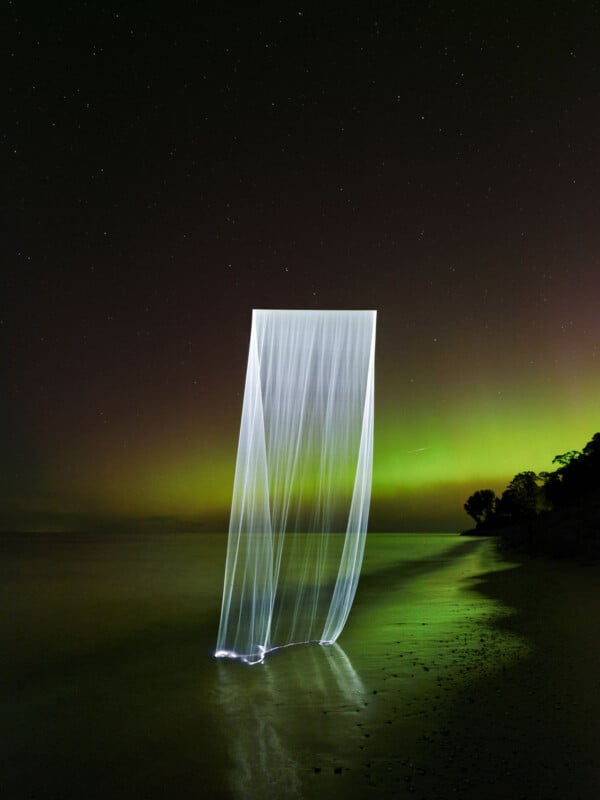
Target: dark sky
x=169 y=167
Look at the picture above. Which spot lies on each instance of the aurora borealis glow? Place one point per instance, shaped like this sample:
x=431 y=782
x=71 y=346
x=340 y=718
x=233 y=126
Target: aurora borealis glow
x=168 y=175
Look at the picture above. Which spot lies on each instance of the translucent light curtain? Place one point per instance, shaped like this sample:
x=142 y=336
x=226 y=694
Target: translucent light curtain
x=302 y=483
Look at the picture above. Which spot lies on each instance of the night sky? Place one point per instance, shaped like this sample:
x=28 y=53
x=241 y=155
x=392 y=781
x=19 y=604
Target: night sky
x=169 y=167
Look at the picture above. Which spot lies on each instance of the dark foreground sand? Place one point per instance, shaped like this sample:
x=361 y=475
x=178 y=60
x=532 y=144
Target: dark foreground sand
x=532 y=728
x=509 y=705
x=459 y=675
x=541 y=735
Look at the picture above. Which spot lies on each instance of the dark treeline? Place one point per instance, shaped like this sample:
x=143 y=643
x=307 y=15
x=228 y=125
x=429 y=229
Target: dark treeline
x=556 y=513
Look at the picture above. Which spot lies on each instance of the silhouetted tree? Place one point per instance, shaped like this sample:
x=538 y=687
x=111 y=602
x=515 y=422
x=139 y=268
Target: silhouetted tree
x=564 y=459
x=481 y=506
x=592 y=448
x=578 y=474
x=556 y=513
x=590 y=457
x=519 y=500
x=550 y=490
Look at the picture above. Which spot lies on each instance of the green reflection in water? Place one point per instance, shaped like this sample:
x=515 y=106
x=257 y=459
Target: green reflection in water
x=110 y=688
x=314 y=721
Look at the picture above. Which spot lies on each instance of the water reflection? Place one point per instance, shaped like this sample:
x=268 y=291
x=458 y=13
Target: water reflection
x=281 y=719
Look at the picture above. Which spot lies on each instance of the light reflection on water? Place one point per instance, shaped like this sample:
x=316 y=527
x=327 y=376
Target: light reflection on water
x=308 y=722
x=267 y=716
x=111 y=680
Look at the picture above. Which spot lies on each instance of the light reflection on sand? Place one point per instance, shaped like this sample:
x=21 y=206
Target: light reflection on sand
x=112 y=684
x=260 y=710
x=316 y=720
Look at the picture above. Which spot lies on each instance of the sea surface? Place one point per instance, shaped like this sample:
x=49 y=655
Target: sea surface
x=110 y=688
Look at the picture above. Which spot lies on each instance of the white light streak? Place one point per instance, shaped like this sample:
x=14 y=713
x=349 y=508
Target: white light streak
x=302 y=485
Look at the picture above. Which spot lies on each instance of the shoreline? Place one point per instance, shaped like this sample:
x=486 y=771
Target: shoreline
x=529 y=729
x=459 y=675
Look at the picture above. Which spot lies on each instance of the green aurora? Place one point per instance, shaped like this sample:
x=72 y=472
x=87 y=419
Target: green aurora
x=427 y=460
x=439 y=165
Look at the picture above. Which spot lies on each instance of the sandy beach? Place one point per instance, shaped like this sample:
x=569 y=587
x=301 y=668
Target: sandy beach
x=531 y=730
x=460 y=675
x=521 y=717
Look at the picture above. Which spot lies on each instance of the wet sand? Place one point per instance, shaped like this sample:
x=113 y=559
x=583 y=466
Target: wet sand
x=531 y=730
x=458 y=675
x=518 y=715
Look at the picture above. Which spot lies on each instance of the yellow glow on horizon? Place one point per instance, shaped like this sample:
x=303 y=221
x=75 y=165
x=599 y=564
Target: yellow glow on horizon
x=479 y=440
x=436 y=451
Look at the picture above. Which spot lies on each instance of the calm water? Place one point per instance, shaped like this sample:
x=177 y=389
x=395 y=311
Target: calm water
x=110 y=688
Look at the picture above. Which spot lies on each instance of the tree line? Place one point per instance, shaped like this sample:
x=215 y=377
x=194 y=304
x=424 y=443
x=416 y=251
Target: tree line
x=568 y=495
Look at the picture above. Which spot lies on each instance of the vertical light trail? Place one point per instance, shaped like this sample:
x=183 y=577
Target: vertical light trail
x=303 y=481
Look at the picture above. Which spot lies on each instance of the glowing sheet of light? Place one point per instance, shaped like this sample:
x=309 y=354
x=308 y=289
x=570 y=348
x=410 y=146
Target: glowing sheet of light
x=302 y=483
